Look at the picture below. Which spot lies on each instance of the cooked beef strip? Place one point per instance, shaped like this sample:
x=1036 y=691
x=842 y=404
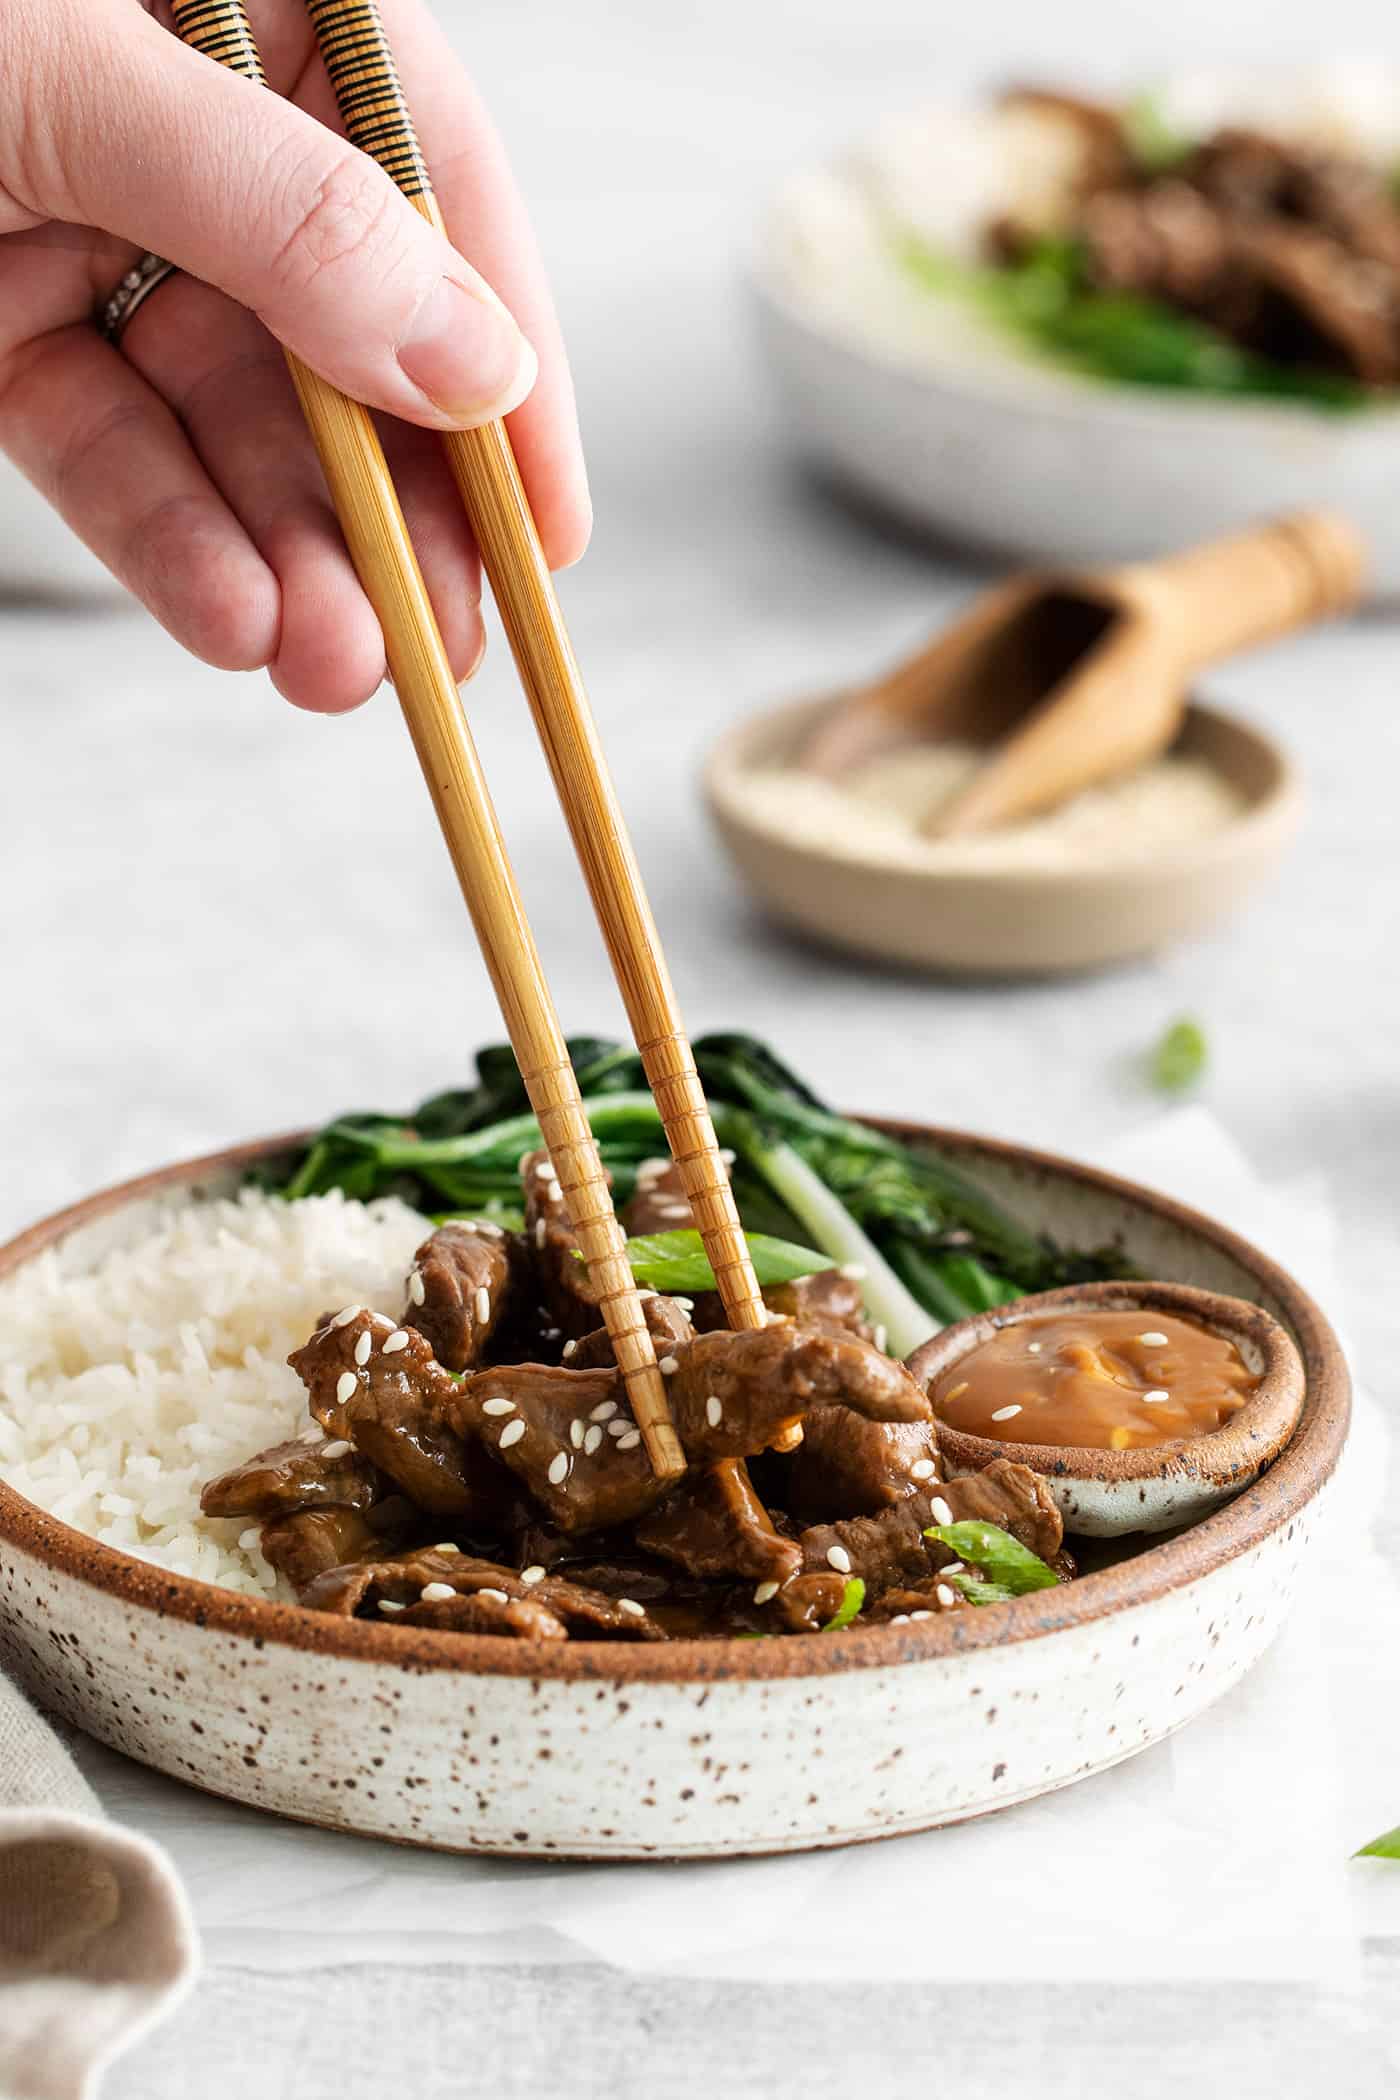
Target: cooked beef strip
x=398 y=1408
x=712 y=1523
x=303 y=1543
x=1012 y=1496
x=667 y=1322
x=561 y=1279
x=513 y=1618
x=827 y=1301
x=733 y=1394
x=659 y=1202
x=540 y=1422
x=890 y=1551
x=296 y=1474
x=849 y=1466
x=922 y=1603
x=809 y=1601
x=459 y=1290
x=400 y=1579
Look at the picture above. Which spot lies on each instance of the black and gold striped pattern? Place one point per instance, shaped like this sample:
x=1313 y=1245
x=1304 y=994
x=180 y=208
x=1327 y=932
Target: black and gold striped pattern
x=362 y=72
x=222 y=31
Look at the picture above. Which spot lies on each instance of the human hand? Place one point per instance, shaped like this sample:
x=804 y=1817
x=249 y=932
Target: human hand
x=181 y=457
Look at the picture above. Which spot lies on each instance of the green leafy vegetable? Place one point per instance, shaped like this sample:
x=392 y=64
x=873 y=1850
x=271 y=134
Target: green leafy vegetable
x=932 y=1244
x=1151 y=140
x=1179 y=1057
x=1387 y=1847
x=852 y=1598
x=676 y=1261
x=1011 y=1569
x=1047 y=300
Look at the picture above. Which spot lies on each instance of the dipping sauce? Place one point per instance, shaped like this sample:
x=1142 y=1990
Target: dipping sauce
x=1103 y=1381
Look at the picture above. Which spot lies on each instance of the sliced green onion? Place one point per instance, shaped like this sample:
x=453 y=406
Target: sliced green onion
x=852 y=1598
x=1007 y=1564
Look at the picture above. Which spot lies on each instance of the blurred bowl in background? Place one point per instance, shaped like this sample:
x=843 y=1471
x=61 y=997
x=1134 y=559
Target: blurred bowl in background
x=909 y=396
x=1012 y=920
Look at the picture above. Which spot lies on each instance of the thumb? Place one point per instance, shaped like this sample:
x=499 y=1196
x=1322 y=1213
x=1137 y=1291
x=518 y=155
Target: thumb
x=246 y=191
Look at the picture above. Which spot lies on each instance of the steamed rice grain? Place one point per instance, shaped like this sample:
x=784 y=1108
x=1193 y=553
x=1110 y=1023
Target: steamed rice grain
x=123 y=1389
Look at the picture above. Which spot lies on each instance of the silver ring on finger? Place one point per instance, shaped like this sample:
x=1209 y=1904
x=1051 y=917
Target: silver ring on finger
x=135 y=288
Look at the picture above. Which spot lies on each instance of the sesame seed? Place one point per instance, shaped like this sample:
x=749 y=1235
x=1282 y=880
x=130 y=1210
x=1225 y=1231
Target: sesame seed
x=853 y=1271
x=668 y=1367
x=921 y=1614
x=837 y=1557
x=396 y=1341
x=336 y=1450
x=593 y=1439
x=558 y=1467
x=946 y=1595
x=923 y=1469
x=604 y=1411
x=436 y=1592
x=569 y=1348
x=620 y=1427
x=249 y=1538
x=728 y=1157
x=881 y=1337
x=417 y=1289
x=498 y=1405
x=388 y=1604
x=687 y=1305
x=630 y=1441
x=942 y=1514
x=954 y=1567
x=714 y=1411
x=482 y=1305
x=447 y=1547
x=764 y=1592
x=1034 y=1348
x=1153 y=1340
x=511 y=1434
x=363 y=1347
x=576 y=1432
x=532 y=1575
x=496 y=1596
x=631 y=1607
x=1004 y=1414
x=351 y=1312
x=901 y=1618
x=551 y=1334
x=346 y=1387
x=1155 y=1397
x=541 y=1231
x=313 y=1435
x=648 y=1294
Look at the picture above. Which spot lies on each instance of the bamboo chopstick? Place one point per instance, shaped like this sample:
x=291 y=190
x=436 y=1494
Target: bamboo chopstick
x=372 y=522
x=376 y=116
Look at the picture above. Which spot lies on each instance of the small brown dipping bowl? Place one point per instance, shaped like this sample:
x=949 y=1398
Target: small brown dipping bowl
x=1155 y=1487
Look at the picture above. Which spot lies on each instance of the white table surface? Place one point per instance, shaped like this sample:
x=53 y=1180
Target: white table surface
x=221 y=918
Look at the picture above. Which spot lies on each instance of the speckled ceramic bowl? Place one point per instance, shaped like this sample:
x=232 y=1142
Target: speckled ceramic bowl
x=1109 y=1494
x=692 y=1748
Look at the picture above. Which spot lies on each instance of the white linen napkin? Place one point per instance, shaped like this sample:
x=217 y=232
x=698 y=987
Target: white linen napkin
x=1222 y=1852
x=96 y=1939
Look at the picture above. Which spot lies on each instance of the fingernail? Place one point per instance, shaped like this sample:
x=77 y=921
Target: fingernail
x=466 y=354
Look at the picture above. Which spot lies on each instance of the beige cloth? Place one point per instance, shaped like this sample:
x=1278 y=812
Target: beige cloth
x=96 y=1940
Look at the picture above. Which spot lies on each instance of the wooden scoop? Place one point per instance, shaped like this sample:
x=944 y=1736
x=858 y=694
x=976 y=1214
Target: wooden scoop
x=1073 y=678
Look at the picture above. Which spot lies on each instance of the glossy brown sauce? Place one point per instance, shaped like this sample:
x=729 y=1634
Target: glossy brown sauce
x=1107 y=1381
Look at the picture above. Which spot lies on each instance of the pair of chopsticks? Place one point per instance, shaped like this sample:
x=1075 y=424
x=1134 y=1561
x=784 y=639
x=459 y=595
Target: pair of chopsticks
x=365 y=80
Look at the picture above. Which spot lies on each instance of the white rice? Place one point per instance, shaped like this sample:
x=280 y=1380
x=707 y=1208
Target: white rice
x=122 y=1390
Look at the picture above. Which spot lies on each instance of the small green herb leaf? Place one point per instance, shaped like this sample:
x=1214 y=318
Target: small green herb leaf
x=852 y=1598
x=981 y=1592
x=1009 y=1566
x=676 y=1261
x=1179 y=1058
x=1387 y=1847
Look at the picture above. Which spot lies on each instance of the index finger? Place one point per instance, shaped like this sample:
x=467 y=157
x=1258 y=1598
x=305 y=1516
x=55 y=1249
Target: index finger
x=487 y=221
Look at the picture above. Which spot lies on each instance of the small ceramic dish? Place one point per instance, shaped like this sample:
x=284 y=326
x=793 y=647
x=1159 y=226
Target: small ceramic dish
x=994 y=921
x=1108 y=1494
x=688 y=1748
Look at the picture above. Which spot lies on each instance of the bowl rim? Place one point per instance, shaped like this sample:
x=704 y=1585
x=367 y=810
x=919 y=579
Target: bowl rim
x=1215 y=1458
x=1278 y=807
x=1271 y=1502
